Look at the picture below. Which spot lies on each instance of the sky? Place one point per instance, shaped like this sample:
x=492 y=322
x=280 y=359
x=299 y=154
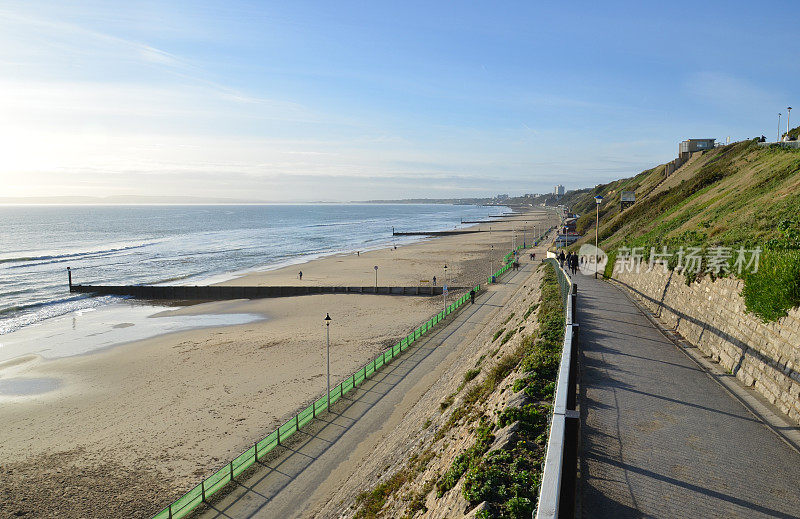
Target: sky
x=341 y=101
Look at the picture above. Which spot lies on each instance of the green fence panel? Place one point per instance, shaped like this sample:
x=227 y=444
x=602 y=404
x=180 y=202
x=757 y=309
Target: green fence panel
x=288 y=429
x=335 y=394
x=305 y=416
x=187 y=501
x=270 y=441
x=215 y=481
x=358 y=376
x=244 y=461
x=347 y=385
x=379 y=362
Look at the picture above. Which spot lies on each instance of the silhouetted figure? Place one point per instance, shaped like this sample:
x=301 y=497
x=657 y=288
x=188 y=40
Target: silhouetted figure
x=300 y=275
x=561 y=258
x=472 y=296
x=434 y=280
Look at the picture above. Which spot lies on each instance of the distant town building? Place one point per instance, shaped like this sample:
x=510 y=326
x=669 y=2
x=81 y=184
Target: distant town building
x=559 y=190
x=689 y=146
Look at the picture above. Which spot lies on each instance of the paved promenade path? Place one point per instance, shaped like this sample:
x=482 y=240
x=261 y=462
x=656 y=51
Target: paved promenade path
x=301 y=475
x=660 y=437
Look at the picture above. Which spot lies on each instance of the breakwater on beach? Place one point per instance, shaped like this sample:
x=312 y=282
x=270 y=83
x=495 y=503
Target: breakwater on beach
x=181 y=245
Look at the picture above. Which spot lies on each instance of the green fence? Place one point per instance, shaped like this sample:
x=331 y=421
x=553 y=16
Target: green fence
x=507 y=259
x=212 y=484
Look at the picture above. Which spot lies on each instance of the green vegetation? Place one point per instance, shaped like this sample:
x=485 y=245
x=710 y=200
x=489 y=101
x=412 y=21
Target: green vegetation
x=508 y=336
x=498 y=333
x=509 y=318
x=738 y=196
x=530 y=310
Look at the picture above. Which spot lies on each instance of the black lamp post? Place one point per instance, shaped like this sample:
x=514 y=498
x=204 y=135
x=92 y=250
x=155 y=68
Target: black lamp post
x=328 y=341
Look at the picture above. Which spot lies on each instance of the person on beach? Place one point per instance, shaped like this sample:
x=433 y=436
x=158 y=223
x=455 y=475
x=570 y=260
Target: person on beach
x=434 y=280
x=300 y=275
x=472 y=296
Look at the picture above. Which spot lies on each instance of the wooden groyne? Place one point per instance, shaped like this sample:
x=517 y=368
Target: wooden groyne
x=218 y=293
x=435 y=233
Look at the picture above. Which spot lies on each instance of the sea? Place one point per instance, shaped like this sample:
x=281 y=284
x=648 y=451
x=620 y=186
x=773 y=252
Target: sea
x=181 y=244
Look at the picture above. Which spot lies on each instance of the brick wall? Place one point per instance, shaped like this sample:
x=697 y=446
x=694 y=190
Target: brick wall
x=712 y=316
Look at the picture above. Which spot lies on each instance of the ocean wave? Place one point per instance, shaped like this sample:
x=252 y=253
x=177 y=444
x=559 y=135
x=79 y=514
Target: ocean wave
x=55 y=258
x=19 y=316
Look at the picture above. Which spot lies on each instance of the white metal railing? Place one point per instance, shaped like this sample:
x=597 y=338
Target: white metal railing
x=557 y=491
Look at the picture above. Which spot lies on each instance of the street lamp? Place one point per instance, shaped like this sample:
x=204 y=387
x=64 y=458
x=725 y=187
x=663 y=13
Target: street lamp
x=524 y=235
x=788 y=114
x=328 y=341
x=376 y=279
x=779 y=127
x=444 y=289
x=491 y=262
x=598 y=200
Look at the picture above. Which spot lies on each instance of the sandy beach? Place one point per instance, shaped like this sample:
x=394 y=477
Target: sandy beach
x=128 y=429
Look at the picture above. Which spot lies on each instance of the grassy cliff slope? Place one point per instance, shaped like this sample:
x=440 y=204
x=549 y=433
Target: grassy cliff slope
x=740 y=195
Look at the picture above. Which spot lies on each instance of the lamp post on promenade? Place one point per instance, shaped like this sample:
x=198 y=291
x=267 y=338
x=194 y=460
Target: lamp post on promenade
x=598 y=200
x=779 y=127
x=788 y=114
x=328 y=342
x=444 y=289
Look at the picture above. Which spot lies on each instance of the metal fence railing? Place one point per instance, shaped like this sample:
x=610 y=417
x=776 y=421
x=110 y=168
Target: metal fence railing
x=557 y=490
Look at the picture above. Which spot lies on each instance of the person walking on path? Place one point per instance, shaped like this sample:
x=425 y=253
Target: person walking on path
x=561 y=258
x=434 y=280
x=300 y=275
x=472 y=296
x=573 y=263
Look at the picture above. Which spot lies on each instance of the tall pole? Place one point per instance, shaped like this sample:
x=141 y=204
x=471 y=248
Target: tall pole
x=596 y=235
x=376 y=279
x=788 y=114
x=328 y=341
x=779 y=128
x=444 y=290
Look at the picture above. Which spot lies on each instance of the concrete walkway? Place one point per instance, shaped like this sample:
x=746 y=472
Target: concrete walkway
x=660 y=438
x=301 y=475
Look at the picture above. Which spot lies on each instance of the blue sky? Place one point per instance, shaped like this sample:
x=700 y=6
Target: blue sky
x=296 y=101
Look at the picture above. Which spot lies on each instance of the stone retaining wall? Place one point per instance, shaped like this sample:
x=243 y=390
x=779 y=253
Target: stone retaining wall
x=712 y=316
